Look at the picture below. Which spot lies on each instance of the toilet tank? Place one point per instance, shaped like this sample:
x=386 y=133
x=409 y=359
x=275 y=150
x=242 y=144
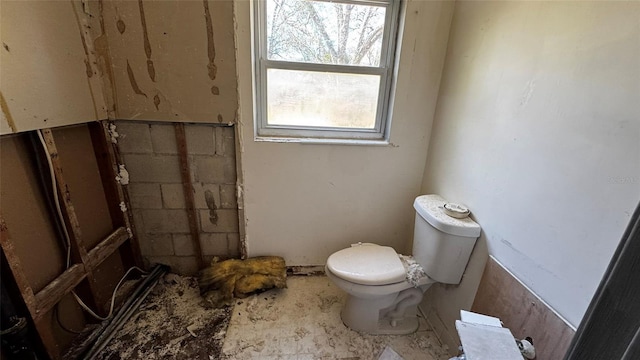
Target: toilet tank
x=442 y=244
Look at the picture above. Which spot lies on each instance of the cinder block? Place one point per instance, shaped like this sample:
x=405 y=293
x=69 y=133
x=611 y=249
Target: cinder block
x=145 y=196
x=229 y=141
x=234 y=244
x=226 y=222
x=183 y=265
x=138 y=223
x=133 y=137
x=173 y=196
x=163 y=138
x=183 y=245
x=229 y=170
x=219 y=133
x=200 y=196
x=200 y=139
x=209 y=169
x=153 y=168
x=228 y=198
x=156 y=244
x=165 y=221
x=214 y=244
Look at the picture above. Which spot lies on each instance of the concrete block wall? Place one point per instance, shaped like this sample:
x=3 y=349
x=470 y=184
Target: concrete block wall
x=158 y=204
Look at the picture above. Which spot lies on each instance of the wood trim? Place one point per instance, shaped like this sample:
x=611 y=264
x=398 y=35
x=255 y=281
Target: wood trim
x=185 y=173
x=107 y=247
x=16 y=267
x=58 y=288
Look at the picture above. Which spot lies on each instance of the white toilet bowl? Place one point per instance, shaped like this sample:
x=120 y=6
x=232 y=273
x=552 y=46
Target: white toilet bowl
x=380 y=299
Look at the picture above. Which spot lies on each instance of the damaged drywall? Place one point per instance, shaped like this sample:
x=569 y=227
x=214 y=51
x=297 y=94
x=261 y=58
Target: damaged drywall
x=149 y=60
x=43 y=41
x=173 y=61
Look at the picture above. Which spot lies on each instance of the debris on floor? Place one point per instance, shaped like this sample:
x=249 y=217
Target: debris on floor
x=171 y=323
x=223 y=280
x=389 y=354
x=303 y=322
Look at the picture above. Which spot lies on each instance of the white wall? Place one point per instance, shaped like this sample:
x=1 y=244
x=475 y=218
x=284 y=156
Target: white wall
x=304 y=202
x=537 y=130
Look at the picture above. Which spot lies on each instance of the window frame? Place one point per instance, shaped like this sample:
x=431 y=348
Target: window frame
x=386 y=71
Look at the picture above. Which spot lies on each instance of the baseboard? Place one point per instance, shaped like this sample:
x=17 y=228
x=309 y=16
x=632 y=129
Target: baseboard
x=308 y=270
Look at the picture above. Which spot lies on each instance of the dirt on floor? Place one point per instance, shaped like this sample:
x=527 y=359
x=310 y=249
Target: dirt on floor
x=171 y=323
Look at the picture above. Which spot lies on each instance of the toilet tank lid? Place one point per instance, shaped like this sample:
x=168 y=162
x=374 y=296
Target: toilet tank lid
x=431 y=208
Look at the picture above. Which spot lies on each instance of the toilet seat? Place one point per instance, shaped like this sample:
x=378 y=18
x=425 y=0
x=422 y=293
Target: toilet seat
x=367 y=264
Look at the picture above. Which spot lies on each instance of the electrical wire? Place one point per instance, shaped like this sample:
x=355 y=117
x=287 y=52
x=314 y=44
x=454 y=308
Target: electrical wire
x=67 y=242
x=55 y=197
x=113 y=296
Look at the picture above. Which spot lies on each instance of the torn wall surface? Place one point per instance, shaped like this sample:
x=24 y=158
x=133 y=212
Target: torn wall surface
x=172 y=60
x=93 y=60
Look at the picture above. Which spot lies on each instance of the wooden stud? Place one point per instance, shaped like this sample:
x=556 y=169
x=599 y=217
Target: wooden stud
x=78 y=248
x=44 y=329
x=45 y=332
x=108 y=158
x=107 y=247
x=48 y=297
x=181 y=140
x=16 y=267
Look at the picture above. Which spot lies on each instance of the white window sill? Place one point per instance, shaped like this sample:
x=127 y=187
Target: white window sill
x=315 y=141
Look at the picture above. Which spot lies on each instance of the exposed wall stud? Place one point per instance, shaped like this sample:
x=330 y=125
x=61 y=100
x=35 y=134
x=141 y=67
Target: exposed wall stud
x=107 y=157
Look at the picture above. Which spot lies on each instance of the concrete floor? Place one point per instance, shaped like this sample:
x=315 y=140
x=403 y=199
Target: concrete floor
x=303 y=322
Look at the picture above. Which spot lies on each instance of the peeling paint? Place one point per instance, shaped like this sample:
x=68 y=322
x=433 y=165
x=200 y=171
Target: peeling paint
x=113 y=133
x=134 y=83
x=215 y=90
x=220 y=120
x=123 y=207
x=123 y=175
x=7 y=113
x=156 y=101
x=147 y=45
x=211 y=47
x=5 y=46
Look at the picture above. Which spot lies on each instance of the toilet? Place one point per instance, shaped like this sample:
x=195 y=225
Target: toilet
x=385 y=288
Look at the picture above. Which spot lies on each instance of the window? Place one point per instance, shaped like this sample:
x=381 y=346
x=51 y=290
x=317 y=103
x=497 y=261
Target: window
x=324 y=69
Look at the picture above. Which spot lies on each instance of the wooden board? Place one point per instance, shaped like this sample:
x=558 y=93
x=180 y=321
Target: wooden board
x=503 y=296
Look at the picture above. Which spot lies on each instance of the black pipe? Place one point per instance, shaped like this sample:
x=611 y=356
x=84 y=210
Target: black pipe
x=14 y=330
x=100 y=338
